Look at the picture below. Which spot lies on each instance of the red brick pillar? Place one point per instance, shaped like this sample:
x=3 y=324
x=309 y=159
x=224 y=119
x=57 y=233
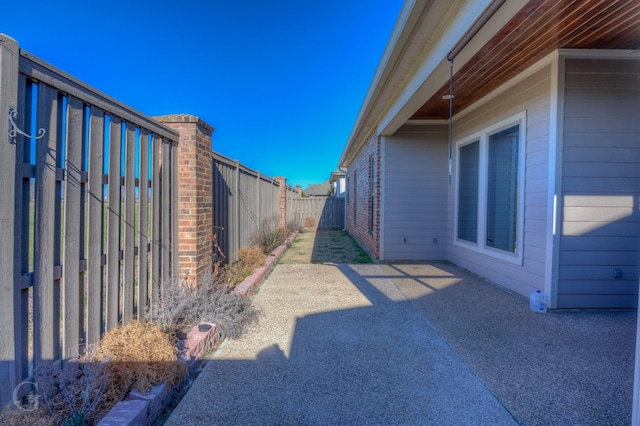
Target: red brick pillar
x=282 y=206
x=195 y=194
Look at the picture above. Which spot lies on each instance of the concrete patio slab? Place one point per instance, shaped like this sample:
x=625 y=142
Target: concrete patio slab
x=337 y=344
x=572 y=367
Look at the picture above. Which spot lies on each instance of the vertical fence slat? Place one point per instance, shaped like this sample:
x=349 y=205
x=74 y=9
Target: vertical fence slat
x=235 y=226
x=256 y=197
x=143 y=227
x=22 y=227
x=156 y=278
x=113 y=224
x=165 y=214
x=9 y=277
x=45 y=319
x=95 y=221
x=72 y=285
x=128 y=267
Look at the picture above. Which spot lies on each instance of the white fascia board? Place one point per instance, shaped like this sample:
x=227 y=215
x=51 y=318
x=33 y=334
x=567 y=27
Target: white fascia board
x=434 y=71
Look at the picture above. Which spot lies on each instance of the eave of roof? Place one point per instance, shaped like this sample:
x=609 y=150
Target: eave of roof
x=424 y=33
x=497 y=40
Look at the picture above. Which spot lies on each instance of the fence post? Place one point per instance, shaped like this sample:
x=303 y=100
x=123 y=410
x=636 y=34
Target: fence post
x=237 y=220
x=9 y=276
x=195 y=192
x=258 y=203
x=282 y=202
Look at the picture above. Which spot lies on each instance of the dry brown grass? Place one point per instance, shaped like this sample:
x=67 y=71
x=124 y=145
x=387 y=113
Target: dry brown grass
x=139 y=356
x=249 y=258
x=11 y=416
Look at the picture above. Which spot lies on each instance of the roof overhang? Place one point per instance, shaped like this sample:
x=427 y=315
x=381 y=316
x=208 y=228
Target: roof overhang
x=493 y=41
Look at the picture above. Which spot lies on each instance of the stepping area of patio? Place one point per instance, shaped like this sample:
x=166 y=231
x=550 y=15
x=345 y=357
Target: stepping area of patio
x=428 y=343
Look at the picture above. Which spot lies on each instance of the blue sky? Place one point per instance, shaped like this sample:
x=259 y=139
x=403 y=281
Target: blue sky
x=281 y=81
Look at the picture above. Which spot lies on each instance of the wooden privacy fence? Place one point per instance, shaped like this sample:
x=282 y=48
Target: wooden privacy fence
x=322 y=212
x=243 y=201
x=87 y=214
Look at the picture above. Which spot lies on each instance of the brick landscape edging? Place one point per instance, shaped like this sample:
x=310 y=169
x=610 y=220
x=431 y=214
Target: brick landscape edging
x=249 y=284
x=143 y=409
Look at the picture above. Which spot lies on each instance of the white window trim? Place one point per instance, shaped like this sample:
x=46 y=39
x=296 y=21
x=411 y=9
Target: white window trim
x=482 y=136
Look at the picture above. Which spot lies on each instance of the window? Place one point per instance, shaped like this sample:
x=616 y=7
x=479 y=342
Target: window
x=489 y=200
x=371 y=191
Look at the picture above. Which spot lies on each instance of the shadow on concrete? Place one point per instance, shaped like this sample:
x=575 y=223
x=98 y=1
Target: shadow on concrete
x=425 y=344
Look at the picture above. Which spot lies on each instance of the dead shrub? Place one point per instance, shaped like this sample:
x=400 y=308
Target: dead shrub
x=71 y=396
x=173 y=311
x=139 y=355
x=181 y=306
x=12 y=416
x=249 y=258
x=268 y=236
x=309 y=222
x=293 y=227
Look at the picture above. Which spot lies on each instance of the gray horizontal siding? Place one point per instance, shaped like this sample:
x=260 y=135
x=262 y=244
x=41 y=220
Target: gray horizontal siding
x=600 y=226
x=415 y=191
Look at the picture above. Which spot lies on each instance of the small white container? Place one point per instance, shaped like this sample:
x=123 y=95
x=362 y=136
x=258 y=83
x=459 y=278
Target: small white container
x=538 y=302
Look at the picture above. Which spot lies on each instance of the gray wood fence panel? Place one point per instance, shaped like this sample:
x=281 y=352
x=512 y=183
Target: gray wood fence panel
x=73 y=281
x=236 y=220
x=113 y=223
x=59 y=256
x=165 y=172
x=129 y=259
x=223 y=207
x=322 y=212
x=44 y=316
x=242 y=199
x=143 y=227
x=10 y=307
x=155 y=226
x=47 y=73
x=95 y=221
x=23 y=269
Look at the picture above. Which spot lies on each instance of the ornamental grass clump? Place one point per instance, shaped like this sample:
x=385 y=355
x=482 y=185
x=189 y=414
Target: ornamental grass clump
x=249 y=258
x=268 y=236
x=139 y=356
x=182 y=305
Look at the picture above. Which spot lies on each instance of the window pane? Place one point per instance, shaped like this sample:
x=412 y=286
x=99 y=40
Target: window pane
x=502 y=190
x=468 y=192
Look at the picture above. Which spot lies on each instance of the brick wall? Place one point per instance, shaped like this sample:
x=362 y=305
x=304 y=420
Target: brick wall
x=195 y=211
x=358 y=203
